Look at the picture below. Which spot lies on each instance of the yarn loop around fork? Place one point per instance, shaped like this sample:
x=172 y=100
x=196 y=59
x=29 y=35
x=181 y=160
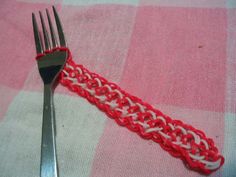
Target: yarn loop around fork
x=179 y=139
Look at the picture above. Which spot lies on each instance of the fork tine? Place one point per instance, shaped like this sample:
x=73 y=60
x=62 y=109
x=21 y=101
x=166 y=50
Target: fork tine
x=38 y=42
x=59 y=28
x=45 y=33
x=54 y=40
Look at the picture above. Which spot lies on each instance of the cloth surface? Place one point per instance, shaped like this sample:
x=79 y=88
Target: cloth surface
x=179 y=56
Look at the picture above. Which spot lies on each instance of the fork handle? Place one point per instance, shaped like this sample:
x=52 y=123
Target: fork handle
x=48 y=166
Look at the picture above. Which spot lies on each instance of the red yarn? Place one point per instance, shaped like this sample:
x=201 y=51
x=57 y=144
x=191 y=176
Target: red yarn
x=180 y=140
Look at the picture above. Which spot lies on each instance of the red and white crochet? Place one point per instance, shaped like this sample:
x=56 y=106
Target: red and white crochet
x=179 y=139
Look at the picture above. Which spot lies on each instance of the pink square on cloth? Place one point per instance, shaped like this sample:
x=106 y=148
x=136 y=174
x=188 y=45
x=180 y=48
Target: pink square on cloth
x=17 y=42
x=177 y=57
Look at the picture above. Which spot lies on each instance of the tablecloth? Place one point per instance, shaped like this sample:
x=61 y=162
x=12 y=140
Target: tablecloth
x=179 y=56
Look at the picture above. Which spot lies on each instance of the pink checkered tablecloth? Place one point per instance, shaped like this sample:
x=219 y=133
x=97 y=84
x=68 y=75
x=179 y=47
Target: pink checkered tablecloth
x=179 y=56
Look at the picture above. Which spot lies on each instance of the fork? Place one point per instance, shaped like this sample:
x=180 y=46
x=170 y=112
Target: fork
x=50 y=65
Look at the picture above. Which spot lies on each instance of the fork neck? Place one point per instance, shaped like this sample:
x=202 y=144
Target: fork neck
x=47 y=87
x=47 y=93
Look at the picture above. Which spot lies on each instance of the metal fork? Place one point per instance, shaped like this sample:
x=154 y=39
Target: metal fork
x=49 y=67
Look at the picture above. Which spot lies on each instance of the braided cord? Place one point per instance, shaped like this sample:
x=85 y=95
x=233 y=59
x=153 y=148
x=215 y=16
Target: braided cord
x=179 y=139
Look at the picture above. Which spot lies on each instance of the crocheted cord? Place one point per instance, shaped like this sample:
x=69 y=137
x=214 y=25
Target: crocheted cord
x=179 y=139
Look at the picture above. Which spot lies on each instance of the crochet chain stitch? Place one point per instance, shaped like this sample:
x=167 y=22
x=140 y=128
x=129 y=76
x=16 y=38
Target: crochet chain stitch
x=180 y=140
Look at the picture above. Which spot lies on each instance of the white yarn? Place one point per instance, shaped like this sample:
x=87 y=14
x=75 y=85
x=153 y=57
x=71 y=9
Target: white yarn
x=153 y=114
x=195 y=136
x=98 y=81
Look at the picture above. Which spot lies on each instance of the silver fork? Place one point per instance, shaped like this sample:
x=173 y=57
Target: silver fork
x=49 y=67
